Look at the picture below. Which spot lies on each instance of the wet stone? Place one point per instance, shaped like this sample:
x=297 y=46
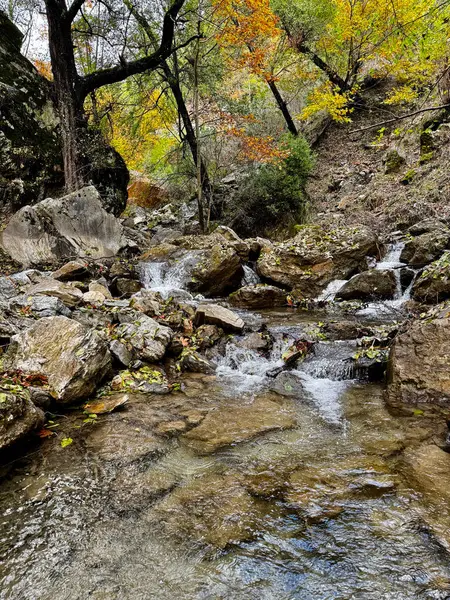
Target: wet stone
x=171 y=428
x=123 y=441
x=232 y=424
x=133 y=491
x=212 y=511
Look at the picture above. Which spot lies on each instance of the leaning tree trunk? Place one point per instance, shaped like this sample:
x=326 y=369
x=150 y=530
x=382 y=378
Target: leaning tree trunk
x=190 y=136
x=69 y=105
x=282 y=106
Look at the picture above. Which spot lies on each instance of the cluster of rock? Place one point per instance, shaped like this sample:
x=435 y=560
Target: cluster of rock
x=87 y=320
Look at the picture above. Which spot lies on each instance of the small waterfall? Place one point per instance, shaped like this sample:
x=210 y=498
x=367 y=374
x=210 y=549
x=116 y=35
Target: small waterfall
x=324 y=375
x=329 y=293
x=332 y=361
x=392 y=262
x=246 y=370
x=168 y=278
x=250 y=277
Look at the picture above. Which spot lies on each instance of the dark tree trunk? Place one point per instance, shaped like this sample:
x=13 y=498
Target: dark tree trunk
x=283 y=107
x=71 y=89
x=334 y=77
x=189 y=131
x=69 y=105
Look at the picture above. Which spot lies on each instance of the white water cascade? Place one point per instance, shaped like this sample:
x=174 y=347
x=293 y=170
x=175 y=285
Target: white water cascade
x=168 y=279
x=329 y=293
x=250 y=277
x=324 y=375
x=392 y=262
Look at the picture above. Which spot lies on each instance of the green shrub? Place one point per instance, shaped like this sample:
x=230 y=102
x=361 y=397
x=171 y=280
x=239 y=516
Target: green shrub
x=273 y=195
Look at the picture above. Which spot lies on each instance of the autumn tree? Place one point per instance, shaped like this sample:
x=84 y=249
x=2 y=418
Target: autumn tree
x=71 y=88
x=347 y=40
x=250 y=31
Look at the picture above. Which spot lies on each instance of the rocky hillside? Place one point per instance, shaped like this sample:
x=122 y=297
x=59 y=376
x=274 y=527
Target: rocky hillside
x=387 y=176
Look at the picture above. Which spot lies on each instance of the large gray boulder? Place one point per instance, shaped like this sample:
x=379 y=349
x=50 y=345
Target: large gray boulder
x=143 y=337
x=74 y=358
x=418 y=369
x=57 y=229
x=369 y=285
x=18 y=415
x=316 y=256
x=210 y=264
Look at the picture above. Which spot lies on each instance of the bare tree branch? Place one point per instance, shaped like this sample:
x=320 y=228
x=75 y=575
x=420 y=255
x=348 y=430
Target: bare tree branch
x=399 y=118
x=74 y=8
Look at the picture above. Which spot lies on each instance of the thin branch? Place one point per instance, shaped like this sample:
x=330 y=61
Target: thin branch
x=399 y=118
x=73 y=10
x=93 y=81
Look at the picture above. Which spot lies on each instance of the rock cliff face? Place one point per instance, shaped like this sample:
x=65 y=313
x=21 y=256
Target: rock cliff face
x=30 y=152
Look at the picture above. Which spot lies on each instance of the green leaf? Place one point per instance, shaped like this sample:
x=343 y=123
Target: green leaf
x=66 y=442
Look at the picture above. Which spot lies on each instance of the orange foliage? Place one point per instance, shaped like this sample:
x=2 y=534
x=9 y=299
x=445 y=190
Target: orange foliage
x=44 y=68
x=253 y=148
x=250 y=26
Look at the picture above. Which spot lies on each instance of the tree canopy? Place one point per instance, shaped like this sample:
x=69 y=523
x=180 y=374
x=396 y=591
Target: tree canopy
x=189 y=91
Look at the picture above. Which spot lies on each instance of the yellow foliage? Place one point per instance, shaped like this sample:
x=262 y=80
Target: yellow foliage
x=401 y=95
x=328 y=98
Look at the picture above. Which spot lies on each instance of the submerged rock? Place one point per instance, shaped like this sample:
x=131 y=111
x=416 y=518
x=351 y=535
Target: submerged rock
x=315 y=257
x=214 y=314
x=75 y=359
x=418 y=369
x=212 y=511
x=428 y=469
x=56 y=229
x=233 y=424
x=18 y=416
x=258 y=296
x=288 y=384
x=370 y=285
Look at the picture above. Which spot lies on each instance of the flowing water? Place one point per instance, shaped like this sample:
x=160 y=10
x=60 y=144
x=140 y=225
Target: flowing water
x=169 y=278
x=238 y=487
x=387 y=309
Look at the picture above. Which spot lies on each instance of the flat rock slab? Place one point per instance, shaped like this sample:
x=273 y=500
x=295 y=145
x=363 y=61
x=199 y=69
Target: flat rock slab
x=68 y=294
x=214 y=314
x=237 y=423
x=122 y=442
x=212 y=511
x=76 y=225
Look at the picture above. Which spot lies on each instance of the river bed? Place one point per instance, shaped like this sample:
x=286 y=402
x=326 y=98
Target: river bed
x=229 y=489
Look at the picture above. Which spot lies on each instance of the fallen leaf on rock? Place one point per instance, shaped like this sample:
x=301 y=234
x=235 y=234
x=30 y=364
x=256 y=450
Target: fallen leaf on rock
x=45 y=433
x=106 y=404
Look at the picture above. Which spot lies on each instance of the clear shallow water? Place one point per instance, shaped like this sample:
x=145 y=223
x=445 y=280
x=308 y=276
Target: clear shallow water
x=319 y=509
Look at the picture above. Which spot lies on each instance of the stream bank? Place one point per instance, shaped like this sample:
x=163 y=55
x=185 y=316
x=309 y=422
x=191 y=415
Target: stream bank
x=216 y=423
